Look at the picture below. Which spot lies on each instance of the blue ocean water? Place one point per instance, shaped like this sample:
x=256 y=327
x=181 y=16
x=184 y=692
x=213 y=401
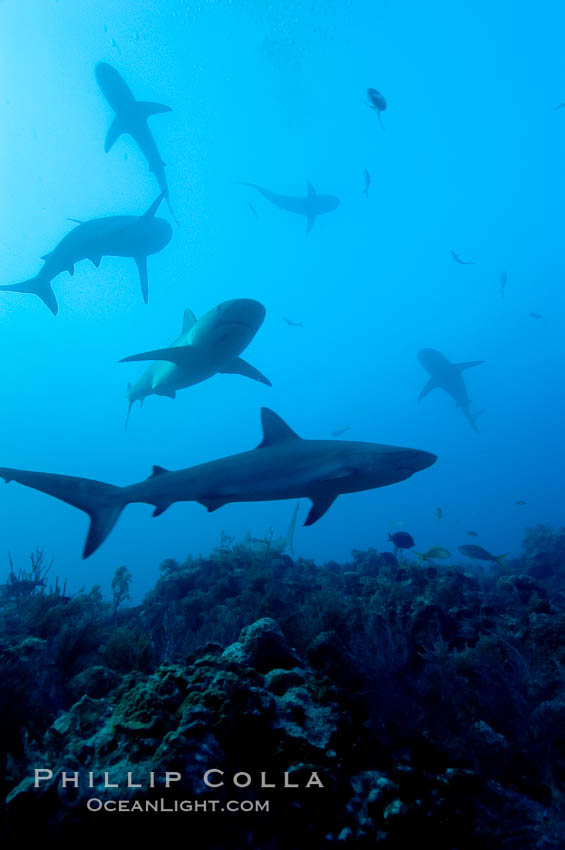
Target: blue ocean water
x=470 y=160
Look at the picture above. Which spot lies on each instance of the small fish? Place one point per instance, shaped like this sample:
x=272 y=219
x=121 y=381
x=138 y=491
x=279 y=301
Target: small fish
x=536 y=316
x=339 y=431
x=377 y=102
x=402 y=540
x=561 y=105
x=520 y=502
x=458 y=259
x=366 y=183
x=116 y=46
x=292 y=324
x=434 y=553
x=477 y=553
x=439 y=513
x=503 y=280
x=253 y=210
x=472 y=533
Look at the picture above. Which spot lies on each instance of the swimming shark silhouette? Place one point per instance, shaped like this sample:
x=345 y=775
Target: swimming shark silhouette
x=134 y=236
x=283 y=466
x=311 y=205
x=448 y=376
x=206 y=347
x=131 y=118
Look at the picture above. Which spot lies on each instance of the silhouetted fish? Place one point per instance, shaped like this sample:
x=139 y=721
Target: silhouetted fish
x=339 y=431
x=458 y=259
x=377 y=102
x=292 y=324
x=366 y=183
x=402 y=540
x=478 y=553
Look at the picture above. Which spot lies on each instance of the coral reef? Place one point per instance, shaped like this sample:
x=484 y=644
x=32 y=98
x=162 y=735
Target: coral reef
x=380 y=700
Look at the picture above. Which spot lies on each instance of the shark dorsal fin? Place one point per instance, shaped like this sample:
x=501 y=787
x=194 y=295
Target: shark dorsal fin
x=157 y=470
x=275 y=429
x=310 y=189
x=188 y=321
x=150 y=212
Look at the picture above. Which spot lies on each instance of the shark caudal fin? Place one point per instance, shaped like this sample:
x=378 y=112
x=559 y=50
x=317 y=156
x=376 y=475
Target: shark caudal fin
x=472 y=418
x=38 y=285
x=102 y=502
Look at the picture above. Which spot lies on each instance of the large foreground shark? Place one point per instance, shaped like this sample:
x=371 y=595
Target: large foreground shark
x=134 y=236
x=311 y=205
x=448 y=376
x=206 y=347
x=131 y=118
x=283 y=466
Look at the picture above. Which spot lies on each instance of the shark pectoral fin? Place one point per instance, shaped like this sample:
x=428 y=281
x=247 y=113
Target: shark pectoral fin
x=147 y=108
x=310 y=219
x=115 y=130
x=431 y=385
x=275 y=429
x=183 y=356
x=150 y=211
x=212 y=504
x=238 y=366
x=141 y=263
x=320 y=504
x=468 y=365
x=188 y=321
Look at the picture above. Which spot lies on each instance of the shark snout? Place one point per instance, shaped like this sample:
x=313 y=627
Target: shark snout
x=414 y=460
x=242 y=311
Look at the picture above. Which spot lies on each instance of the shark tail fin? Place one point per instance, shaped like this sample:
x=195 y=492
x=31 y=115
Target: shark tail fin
x=38 y=285
x=472 y=417
x=102 y=502
x=291 y=529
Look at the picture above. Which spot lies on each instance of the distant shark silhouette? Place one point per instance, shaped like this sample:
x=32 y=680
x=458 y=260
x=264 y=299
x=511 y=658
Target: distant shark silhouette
x=311 y=205
x=134 y=236
x=206 y=347
x=448 y=376
x=131 y=118
x=271 y=545
x=283 y=466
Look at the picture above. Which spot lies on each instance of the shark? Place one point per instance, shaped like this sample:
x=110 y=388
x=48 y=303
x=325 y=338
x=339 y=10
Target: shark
x=135 y=236
x=131 y=118
x=282 y=466
x=448 y=376
x=205 y=347
x=310 y=206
